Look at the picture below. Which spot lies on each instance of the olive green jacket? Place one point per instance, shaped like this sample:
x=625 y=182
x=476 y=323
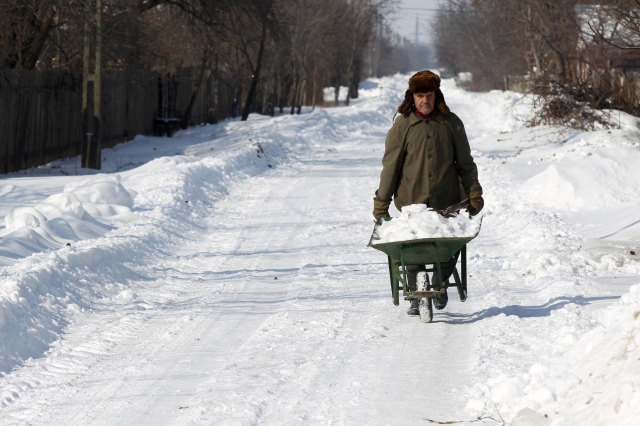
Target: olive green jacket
x=423 y=159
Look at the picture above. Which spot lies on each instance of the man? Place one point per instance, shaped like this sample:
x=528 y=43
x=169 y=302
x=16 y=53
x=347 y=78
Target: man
x=427 y=160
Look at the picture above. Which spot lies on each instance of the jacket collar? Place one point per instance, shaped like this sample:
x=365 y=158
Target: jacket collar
x=413 y=117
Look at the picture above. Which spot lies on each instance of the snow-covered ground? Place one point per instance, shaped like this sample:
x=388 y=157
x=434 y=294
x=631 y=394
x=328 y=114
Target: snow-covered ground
x=222 y=277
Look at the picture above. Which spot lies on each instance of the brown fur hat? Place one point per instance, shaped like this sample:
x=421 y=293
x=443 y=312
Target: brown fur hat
x=422 y=82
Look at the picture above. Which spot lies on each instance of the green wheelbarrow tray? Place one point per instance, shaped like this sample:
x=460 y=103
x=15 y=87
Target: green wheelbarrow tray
x=439 y=252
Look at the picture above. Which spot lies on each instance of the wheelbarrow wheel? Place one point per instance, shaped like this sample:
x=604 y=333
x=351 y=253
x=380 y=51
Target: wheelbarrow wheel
x=425 y=307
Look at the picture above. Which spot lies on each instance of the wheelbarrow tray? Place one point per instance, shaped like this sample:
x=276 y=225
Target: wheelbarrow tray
x=422 y=251
x=439 y=252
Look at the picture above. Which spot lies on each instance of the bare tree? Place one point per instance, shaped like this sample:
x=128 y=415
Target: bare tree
x=267 y=52
x=360 y=19
x=622 y=15
x=479 y=40
x=551 y=46
x=24 y=28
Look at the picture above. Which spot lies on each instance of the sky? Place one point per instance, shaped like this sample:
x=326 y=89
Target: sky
x=404 y=22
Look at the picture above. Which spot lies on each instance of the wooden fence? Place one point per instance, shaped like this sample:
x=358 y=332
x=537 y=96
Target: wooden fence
x=41 y=112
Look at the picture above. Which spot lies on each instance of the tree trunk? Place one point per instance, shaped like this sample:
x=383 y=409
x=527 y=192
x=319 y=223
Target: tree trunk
x=265 y=101
x=32 y=52
x=314 y=85
x=27 y=47
x=279 y=93
x=186 y=117
x=560 y=67
x=302 y=95
x=237 y=99
x=216 y=90
x=294 y=94
x=349 y=76
x=256 y=73
x=266 y=93
x=354 y=82
x=348 y=98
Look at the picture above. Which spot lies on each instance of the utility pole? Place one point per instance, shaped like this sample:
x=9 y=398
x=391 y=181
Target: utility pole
x=416 y=40
x=375 y=47
x=91 y=85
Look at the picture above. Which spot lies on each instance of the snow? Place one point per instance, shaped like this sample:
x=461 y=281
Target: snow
x=595 y=380
x=528 y=417
x=222 y=277
x=101 y=190
x=601 y=179
x=417 y=221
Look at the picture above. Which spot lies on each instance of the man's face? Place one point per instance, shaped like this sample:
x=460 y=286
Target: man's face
x=424 y=102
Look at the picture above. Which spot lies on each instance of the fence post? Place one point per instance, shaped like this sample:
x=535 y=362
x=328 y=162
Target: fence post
x=91 y=135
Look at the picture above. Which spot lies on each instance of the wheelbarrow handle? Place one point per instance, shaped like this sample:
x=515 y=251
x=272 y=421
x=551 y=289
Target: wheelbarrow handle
x=452 y=209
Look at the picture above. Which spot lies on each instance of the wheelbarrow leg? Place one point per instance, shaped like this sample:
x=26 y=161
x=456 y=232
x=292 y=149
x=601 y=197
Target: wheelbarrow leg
x=462 y=292
x=394 y=274
x=462 y=284
x=439 y=284
x=398 y=275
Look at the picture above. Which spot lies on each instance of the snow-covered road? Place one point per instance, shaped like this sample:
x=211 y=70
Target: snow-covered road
x=258 y=302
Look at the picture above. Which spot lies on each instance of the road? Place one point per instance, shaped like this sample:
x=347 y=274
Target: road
x=272 y=310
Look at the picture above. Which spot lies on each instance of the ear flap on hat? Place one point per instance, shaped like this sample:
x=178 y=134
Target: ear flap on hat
x=407 y=103
x=441 y=104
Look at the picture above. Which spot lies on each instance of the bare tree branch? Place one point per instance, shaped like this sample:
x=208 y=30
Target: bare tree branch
x=601 y=37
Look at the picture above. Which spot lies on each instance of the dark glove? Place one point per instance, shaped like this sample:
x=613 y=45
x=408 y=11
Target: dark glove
x=476 y=203
x=380 y=208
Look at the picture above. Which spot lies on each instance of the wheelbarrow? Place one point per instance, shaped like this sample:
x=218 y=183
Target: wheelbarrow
x=442 y=253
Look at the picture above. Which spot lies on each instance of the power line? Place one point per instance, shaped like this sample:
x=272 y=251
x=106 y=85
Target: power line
x=442 y=10
x=417 y=14
x=418 y=8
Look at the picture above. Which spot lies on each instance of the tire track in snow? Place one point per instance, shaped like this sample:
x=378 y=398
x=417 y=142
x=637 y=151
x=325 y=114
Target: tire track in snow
x=321 y=343
x=338 y=382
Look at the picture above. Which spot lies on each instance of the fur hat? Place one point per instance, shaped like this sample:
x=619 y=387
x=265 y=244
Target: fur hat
x=423 y=82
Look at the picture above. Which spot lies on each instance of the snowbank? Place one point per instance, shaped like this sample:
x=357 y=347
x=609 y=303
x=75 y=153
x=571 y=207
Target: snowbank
x=67 y=240
x=596 y=382
x=597 y=180
x=71 y=249
x=417 y=222
x=103 y=189
x=85 y=209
